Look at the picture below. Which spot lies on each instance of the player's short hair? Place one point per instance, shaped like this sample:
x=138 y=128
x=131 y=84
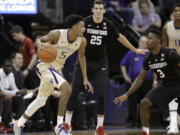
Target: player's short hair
x=99 y=2
x=72 y=20
x=156 y=32
x=16 y=29
x=176 y=5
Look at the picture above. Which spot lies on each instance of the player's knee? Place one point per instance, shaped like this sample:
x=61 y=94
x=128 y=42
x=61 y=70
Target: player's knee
x=144 y=103
x=66 y=89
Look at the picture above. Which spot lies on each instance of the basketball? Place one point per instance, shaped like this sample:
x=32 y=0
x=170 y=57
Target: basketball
x=47 y=54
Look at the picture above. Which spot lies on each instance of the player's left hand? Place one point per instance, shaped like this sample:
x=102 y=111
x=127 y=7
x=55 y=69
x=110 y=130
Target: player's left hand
x=88 y=86
x=120 y=99
x=141 y=51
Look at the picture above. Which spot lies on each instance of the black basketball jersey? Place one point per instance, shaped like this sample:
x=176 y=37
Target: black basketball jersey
x=164 y=64
x=97 y=35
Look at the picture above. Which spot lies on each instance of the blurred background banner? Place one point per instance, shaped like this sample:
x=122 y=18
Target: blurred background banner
x=18 y=7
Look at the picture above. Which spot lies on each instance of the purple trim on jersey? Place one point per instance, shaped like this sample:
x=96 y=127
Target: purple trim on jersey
x=52 y=71
x=53 y=75
x=68 y=37
x=176 y=26
x=37 y=70
x=39 y=61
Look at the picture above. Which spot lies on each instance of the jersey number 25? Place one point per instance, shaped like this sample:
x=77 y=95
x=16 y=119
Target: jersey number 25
x=96 y=40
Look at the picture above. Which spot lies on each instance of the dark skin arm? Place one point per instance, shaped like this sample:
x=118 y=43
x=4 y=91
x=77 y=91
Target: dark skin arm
x=136 y=84
x=52 y=37
x=122 y=39
x=82 y=61
x=165 y=37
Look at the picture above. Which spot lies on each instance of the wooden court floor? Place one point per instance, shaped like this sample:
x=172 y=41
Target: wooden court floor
x=109 y=131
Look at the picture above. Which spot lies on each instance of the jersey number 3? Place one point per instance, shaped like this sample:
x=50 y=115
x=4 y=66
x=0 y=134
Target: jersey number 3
x=161 y=74
x=96 y=40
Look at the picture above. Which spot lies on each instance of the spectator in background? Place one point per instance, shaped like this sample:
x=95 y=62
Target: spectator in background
x=142 y=22
x=26 y=48
x=121 y=8
x=17 y=60
x=136 y=8
x=131 y=66
x=8 y=86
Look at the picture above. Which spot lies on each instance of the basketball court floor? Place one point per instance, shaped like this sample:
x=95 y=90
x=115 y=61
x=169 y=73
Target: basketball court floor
x=109 y=131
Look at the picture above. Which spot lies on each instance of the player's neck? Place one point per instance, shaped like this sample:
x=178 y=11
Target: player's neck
x=156 y=50
x=72 y=36
x=177 y=23
x=96 y=20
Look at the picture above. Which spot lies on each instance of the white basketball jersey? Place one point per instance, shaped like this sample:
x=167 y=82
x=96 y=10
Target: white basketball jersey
x=174 y=36
x=64 y=50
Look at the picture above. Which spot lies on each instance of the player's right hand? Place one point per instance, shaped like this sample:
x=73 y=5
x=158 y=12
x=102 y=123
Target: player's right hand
x=120 y=99
x=43 y=45
x=88 y=86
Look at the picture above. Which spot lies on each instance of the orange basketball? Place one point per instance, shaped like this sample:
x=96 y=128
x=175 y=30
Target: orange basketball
x=47 y=54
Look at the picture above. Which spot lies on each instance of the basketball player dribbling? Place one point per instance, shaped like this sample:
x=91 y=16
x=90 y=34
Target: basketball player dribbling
x=67 y=41
x=171 y=39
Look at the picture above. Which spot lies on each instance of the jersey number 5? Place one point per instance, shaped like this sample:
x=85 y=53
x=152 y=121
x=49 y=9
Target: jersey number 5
x=63 y=55
x=96 y=40
x=161 y=74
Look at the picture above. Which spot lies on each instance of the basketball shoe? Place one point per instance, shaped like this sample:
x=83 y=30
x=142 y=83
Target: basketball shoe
x=63 y=129
x=17 y=130
x=172 y=129
x=100 y=131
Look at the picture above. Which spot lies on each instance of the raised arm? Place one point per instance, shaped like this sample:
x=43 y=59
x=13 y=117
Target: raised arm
x=82 y=62
x=122 y=39
x=52 y=37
